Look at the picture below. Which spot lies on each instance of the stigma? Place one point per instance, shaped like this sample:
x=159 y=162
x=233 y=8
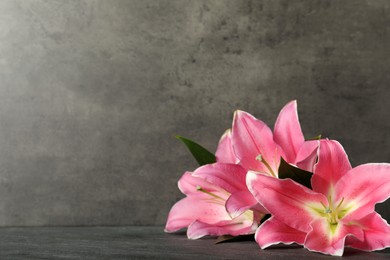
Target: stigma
x=333 y=213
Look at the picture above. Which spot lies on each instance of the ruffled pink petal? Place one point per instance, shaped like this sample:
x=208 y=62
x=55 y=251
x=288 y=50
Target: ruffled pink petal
x=251 y=137
x=224 y=153
x=273 y=232
x=239 y=202
x=363 y=187
x=332 y=164
x=376 y=233
x=199 y=229
x=287 y=131
x=188 y=184
x=200 y=207
x=285 y=199
x=322 y=239
x=230 y=177
x=307 y=155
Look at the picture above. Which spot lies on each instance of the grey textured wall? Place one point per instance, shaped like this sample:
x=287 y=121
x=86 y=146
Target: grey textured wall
x=92 y=93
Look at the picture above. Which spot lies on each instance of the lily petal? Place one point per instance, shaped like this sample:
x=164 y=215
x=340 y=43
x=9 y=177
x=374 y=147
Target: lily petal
x=199 y=229
x=363 y=187
x=200 y=207
x=287 y=131
x=230 y=177
x=376 y=233
x=329 y=240
x=332 y=164
x=225 y=153
x=285 y=199
x=251 y=138
x=307 y=155
x=239 y=202
x=188 y=184
x=273 y=231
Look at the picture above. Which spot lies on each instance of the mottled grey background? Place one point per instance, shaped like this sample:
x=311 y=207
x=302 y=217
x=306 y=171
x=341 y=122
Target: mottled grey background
x=92 y=93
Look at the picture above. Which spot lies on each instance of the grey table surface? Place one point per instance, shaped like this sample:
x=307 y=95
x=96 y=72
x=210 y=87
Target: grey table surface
x=140 y=243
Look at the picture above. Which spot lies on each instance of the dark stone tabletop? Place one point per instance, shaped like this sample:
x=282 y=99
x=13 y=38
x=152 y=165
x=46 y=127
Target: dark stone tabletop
x=140 y=243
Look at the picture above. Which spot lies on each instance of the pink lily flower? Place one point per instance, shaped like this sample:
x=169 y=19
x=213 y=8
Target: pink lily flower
x=258 y=149
x=249 y=147
x=339 y=211
x=253 y=146
x=213 y=191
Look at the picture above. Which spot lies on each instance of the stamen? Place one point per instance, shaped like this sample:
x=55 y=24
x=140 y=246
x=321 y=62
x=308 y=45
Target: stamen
x=326 y=209
x=333 y=213
x=330 y=201
x=209 y=193
x=261 y=159
x=341 y=202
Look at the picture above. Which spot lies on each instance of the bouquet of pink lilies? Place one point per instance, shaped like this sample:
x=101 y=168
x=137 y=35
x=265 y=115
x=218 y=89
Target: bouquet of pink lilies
x=283 y=189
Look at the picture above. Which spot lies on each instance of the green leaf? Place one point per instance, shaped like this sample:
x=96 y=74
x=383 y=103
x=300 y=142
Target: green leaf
x=228 y=238
x=201 y=154
x=318 y=137
x=286 y=170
